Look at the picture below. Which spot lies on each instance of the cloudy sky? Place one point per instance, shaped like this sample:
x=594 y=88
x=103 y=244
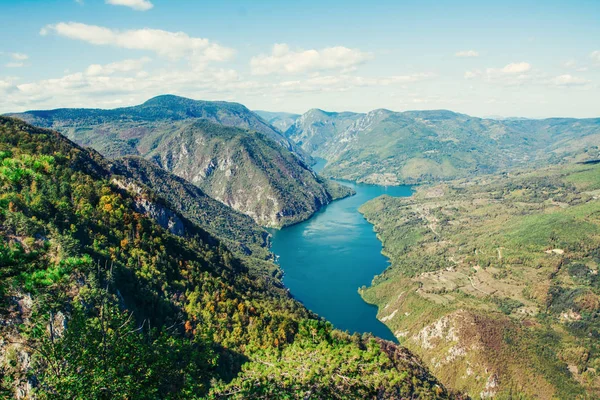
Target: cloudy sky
x=502 y=58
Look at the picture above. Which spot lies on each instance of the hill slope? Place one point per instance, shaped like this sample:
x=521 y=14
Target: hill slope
x=108 y=293
x=271 y=184
x=246 y=171
x=417 y=146
x=134 y=130
x=238 y=231
x=494 y=280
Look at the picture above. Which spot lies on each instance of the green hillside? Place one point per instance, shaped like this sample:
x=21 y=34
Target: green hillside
x=248 y=165
x=246 y=171
x=391 y=148
x=238 y=231
x=106 y=292
x=494 y=280
x=134 y=130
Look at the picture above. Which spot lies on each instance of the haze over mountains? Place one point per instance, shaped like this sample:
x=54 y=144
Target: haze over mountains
x=382 y=147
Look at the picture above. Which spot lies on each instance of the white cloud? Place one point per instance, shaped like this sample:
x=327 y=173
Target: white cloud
x=511 y=74
x=14 y=64
x=568 y=80
x=19 y=56
x=595 y=56
x=467 y=53
x=173 y=45
x=473 y=74
x=516 y=68
x=119 y=66
x=139 y=5
x=285 y=61
x=17 y=60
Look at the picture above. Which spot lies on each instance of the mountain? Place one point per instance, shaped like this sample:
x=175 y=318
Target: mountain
x=256 y=171
x=134 y=130
x=317 y=129
x=280 y=120
x=246 y=171
x=494 y=280
x=108 y=292
x=390 y=148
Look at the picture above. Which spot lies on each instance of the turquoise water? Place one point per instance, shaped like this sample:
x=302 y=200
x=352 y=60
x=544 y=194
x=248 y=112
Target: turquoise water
x=327 y=258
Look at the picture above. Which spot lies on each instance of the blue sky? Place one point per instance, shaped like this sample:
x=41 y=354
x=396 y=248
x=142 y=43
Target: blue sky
x=507 y=58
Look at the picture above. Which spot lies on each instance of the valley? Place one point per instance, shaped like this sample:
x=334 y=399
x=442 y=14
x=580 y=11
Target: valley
x=486 y=271
x=109 y=290
x=315 y=200
x=329 y=257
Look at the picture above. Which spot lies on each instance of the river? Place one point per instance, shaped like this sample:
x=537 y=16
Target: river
x=328 y=257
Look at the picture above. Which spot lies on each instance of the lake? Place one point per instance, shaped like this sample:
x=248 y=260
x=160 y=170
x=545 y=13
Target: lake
x=327 y=258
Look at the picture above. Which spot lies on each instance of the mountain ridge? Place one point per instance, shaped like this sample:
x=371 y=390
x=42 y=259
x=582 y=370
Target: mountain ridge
x=392 y=148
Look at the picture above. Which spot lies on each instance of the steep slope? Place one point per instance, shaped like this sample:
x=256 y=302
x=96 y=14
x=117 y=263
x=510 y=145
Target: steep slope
x=108 y=293
x=418 y=146
x=246 y=171
x=316 y=130
x=280 y=120
x=277 y=197
x=238 y=231
x=134 y=130
x=494 y=280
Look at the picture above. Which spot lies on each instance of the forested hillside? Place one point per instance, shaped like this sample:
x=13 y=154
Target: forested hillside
x=246 y=171
x=225 y=149
x=108 y=291
x=494 y=280
x=391 y=148
x=239 y=232
x=134 y=130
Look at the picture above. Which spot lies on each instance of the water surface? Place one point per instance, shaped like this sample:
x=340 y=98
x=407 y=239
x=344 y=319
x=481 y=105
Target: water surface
x=327 y=258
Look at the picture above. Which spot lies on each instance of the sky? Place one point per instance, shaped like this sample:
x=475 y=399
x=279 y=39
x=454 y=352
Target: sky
x=508 y=58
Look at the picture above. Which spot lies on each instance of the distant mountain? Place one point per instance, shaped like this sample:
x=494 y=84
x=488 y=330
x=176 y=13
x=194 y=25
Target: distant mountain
x=317 y=129
x=280 y=120
x=252 y=168
x=246 y=171
x=133 y=130
x=389 y=147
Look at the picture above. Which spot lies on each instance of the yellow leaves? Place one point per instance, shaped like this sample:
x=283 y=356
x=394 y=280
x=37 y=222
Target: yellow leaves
x=108 y=207
x=124 y=243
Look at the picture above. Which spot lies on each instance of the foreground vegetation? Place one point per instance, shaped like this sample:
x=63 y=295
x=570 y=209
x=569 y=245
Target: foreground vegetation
x=494 y=281
x=107 y=292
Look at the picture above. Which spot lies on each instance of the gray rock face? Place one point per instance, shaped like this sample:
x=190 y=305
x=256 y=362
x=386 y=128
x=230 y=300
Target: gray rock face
x=163 y=216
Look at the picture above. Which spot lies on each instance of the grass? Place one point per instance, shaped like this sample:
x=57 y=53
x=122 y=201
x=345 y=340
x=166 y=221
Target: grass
x=517 y=251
